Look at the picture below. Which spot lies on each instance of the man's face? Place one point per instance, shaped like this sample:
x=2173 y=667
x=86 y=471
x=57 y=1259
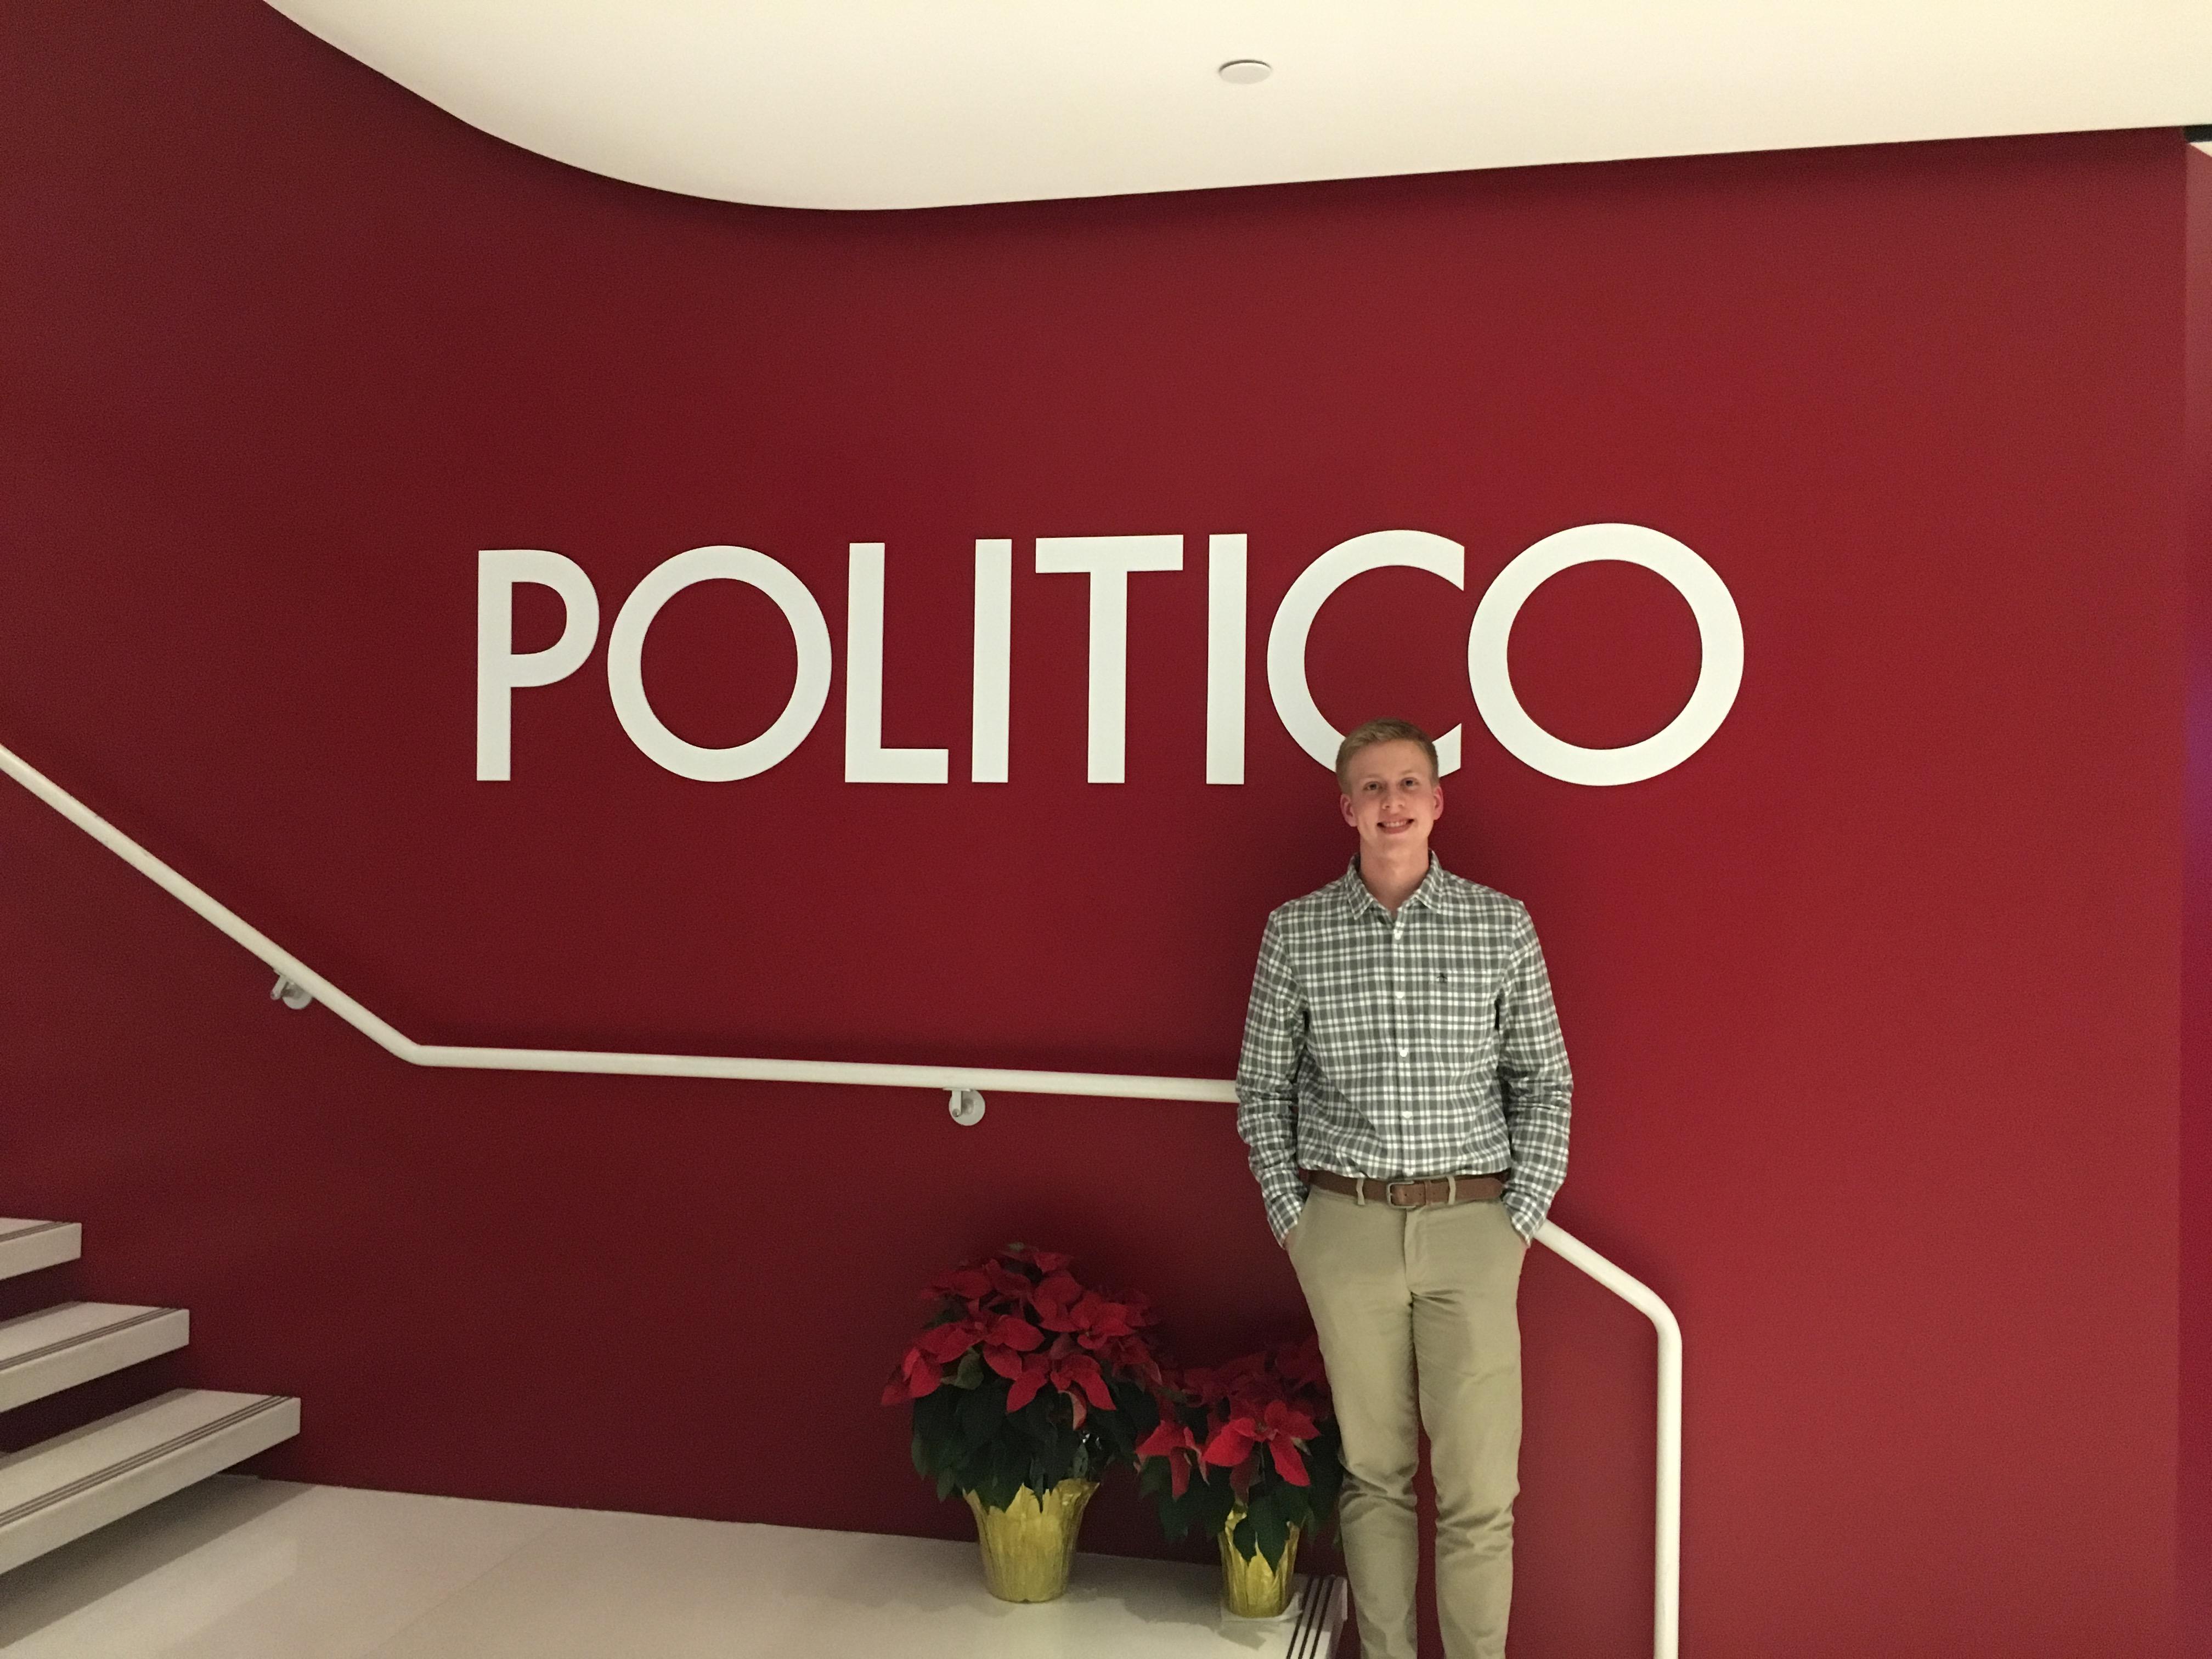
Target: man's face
x=1394 y=798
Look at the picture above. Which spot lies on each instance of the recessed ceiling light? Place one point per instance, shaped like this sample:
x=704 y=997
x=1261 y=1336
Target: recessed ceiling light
x=1243 y=72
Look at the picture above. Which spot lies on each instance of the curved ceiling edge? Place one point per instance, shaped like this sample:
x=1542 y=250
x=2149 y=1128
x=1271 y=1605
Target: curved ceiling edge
x=876 y=103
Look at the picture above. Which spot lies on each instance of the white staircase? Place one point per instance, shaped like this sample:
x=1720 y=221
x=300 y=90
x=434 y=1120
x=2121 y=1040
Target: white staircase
x=43 y=1353
x=26 y=1246
x=66 y=1487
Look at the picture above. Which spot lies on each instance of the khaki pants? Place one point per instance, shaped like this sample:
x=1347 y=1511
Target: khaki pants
x=1399 y=1295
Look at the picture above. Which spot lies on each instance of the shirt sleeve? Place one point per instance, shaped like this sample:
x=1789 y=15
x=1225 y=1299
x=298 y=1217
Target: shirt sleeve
x=1267 y=1076
x=1535 y=1083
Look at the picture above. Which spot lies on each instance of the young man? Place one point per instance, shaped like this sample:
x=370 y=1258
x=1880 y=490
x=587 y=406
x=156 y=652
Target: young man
x=1403 y=1089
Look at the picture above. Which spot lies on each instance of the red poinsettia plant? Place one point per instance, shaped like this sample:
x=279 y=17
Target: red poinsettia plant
x=1025 y=1376
x=1250 y=1445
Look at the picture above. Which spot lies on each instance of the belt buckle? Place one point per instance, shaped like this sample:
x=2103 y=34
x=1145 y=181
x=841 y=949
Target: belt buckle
x=1390 y=1194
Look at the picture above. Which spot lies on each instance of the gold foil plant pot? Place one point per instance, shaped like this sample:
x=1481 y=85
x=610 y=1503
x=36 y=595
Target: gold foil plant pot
x=1030 y=1546
x=1250 y=1587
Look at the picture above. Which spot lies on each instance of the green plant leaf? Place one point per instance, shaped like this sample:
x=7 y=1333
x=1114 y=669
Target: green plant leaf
x=933 y=1418
x=999 y=1484
x=981 y=1413
x=1213 y=1503
x=1036 y=1424
x=1246 y=1537
x=936 y=1439
x=1271 y=1532
x=969 y=1371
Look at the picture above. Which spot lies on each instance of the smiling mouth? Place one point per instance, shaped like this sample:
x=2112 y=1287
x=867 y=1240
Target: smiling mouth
x=1393 y=825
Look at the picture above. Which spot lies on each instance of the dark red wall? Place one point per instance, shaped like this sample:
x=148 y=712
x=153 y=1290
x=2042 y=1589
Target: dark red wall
x=2196 y=948
x=1873 y=1003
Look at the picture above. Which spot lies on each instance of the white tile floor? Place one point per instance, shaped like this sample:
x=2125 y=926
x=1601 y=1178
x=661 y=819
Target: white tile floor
x=242 y=1569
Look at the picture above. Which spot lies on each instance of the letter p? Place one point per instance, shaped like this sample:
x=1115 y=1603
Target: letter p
x=499 y=670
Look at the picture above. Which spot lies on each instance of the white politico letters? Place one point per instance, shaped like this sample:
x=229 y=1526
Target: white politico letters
x=1108 y=562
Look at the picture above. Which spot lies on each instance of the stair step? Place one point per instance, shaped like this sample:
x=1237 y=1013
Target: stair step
x=58 y=1492
x=27 y=1245
x=45 y=1353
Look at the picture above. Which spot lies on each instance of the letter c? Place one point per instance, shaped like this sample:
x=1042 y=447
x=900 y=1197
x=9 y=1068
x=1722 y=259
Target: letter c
x=1287 y=638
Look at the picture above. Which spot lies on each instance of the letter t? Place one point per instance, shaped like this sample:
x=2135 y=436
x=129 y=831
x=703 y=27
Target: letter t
x=1109 y=561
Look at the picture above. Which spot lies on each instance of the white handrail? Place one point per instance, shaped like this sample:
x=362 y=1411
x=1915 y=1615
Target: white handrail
x=1667 y=1599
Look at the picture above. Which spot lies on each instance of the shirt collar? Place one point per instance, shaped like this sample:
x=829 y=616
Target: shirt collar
x=1428 y=894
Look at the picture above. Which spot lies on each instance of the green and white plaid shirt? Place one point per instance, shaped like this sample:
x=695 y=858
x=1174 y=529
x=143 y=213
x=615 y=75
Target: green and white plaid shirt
x=1421 y=1045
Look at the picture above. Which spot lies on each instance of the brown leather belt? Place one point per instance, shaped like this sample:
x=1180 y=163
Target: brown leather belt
x=1410 y=1195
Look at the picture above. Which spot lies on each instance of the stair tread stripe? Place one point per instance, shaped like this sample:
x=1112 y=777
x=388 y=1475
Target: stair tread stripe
x=141 y=1317
x=138 y=1460
x=1305 y=1635
x=29 y=1227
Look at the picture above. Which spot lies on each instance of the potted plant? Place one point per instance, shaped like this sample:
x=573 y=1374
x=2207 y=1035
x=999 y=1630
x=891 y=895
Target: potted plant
x=1249 y=1453
x=1024 y=1383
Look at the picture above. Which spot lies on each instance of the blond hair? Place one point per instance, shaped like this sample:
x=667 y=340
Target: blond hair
x=1370 y=732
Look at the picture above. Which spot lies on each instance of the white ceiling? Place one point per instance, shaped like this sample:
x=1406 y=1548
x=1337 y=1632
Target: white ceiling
x=923 y=103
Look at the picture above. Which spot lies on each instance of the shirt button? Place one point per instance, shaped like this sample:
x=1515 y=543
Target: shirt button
x=1402 y=1053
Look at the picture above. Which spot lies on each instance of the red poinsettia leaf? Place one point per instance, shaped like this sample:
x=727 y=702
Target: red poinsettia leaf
x=1002 y=1290
x=1005 y=1361
x=1179 y=1472
x=1024 y=1390
x=1289 y=1422
x=1239 y=1479
x=970 y=1284
x=1170 y=1437
x=1145 y=1370
x=1010 y=1331
x=1075 y=1405
x=916 y=1376
x=1103 y=1317
x=1080 y=1372
x=1301 y=1363
x=1050 y=1262
x=1054 y=1300
x=1142 y=1352
x=1288 y=1463
x=946 y=1343
x=1229 y=1444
